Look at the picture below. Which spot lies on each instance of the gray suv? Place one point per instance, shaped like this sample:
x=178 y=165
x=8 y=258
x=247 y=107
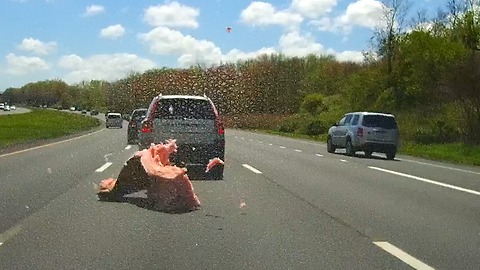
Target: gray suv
x=365 y=131
x=196 y=125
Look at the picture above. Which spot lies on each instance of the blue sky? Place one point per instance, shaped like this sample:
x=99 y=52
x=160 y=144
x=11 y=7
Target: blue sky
x=77 y=40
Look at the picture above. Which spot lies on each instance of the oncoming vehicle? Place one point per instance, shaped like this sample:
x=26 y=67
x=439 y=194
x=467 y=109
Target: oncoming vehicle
x=365 y=131
x=134 y=125
x=194 y=122
x=113 y=120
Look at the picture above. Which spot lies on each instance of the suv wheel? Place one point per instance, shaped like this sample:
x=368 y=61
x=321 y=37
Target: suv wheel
x=391 y=154
x=330 y=146
x=368 y=153
x=349 y=148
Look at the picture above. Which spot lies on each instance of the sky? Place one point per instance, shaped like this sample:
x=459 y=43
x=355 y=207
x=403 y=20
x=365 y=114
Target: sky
x=76 y=40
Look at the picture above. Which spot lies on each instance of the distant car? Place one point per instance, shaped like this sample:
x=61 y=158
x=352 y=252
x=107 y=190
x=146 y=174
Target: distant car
x=113 y=120
x=93 y=112
x=13 y=107
x=365 y=131
x=72 y=109
x=7 y=108
x=2 y=106
x=84 y=111
x=196 y=125
x=134 y=125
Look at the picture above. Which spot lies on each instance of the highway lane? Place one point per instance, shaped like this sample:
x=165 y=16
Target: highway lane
x=305 y=209
x=17 y=111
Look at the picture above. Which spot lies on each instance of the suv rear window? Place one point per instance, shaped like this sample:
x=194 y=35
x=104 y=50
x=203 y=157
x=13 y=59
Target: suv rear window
x=113 y=116
x=381 y=121
x=184 y=108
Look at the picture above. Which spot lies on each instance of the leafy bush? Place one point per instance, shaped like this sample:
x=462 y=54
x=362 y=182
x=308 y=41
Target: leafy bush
x=313 y=127
x=303 y=124
x=440 y=132
x=293 y=123
x=313 y=104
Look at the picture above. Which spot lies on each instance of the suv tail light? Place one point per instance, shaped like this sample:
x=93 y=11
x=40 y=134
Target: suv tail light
x=360 y=132
x=146 y=127
x=219 y=126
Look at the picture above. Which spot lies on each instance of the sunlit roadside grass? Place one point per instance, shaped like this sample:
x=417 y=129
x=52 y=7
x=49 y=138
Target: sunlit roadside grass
x=41 y=124
x=452 y=152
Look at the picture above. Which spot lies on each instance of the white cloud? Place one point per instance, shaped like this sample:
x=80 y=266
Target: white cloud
x=112 y=31
x=362 y=13
x=262 y=14
x=19 y=65
x=93 y=10
x=191 y=51
x=36 y=46
x=313 y=8
x=107 y=67
x=365 y=13
x=295 y=44
x=172 y=15
x=164 y=41
x=236 y=55
x=352 y=56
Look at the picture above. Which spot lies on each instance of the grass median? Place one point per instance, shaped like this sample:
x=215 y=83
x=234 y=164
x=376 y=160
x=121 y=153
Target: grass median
x=41 y=124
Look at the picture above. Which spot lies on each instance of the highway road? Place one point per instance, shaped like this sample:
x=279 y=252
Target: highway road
x=18 y=110
x=303 y=209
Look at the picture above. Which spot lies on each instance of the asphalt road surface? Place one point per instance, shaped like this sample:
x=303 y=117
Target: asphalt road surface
x=284 y=204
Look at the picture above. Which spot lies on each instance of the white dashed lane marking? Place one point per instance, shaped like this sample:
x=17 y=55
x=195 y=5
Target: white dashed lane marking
x=402 y=255
x=104 y=167
x=251 y=168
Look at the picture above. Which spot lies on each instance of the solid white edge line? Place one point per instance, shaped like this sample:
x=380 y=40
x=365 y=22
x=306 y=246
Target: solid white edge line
x=474 y=192
x=50 y=144
x=402 y=255
x=104 y=167
x=128 y=147
x=439 y=166
x=251 y=168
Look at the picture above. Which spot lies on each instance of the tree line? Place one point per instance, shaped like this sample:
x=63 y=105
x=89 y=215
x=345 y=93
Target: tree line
x=424 y=70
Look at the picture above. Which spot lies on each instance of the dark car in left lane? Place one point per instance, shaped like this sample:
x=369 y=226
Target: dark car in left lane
x=134 y=125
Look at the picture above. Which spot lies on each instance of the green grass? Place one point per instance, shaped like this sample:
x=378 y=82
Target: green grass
x=452 y=152
x=41 y=124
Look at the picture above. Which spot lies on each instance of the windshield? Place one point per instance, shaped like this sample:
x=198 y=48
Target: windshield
x=239 y=134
